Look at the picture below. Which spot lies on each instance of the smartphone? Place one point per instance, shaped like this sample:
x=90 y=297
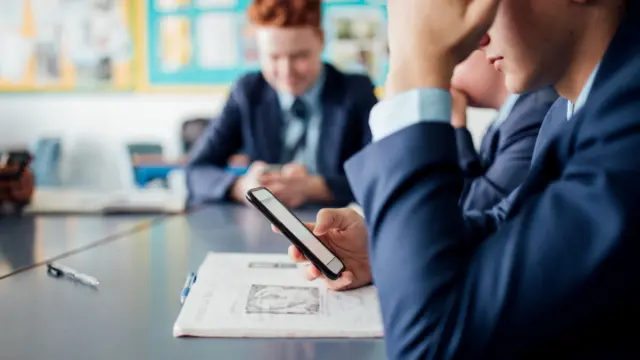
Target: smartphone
x=308 y=244
x=273 y=168
x=16 y=161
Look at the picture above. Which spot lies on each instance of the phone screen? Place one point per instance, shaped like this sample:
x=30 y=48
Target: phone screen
x=295 y=226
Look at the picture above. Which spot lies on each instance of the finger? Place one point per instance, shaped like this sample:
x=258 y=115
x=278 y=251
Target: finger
x=293 y=170
x=278 y=188
x=482 y=13
x=295 y=254
x=311 y=272
x=279 y=191
x=257 y=165
x=342 y=283
x=269 y=178
x=275 y=229
x=328 y=219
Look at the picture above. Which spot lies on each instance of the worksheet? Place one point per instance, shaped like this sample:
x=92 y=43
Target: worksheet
x=265 y=295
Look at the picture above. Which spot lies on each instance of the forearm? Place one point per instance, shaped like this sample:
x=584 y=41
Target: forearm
x=207 y=183
x=318 y=191
x=509 y=169
x=236 y=191
x=406 y=216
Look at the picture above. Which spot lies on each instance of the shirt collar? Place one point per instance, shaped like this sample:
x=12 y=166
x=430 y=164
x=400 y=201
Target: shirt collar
x=310 y=97
x=584 y=94
x=505 y=109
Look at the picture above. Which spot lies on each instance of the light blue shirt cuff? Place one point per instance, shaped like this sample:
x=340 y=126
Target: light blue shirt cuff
x=403 y=110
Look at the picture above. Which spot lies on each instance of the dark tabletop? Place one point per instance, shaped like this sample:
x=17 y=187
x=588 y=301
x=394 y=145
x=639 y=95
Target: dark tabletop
x=29 y=240
x=132 y=313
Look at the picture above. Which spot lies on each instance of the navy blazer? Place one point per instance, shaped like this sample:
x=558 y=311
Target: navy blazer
x=503 y=160
x=560 y=274
x=480 y=223
x=251 y=120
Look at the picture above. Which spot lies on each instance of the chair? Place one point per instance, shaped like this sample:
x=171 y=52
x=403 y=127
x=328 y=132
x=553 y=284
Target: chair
x=46 y=162
x=192 y=129
x=145 y=157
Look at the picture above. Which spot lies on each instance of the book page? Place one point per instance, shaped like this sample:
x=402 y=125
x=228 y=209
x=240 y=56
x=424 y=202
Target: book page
x=264 y=295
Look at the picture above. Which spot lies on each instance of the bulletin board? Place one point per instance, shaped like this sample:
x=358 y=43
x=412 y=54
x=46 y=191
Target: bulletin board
x=67 y=45
x=210 y=43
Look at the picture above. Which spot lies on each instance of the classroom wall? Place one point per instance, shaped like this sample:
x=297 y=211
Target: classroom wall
x=95 y=127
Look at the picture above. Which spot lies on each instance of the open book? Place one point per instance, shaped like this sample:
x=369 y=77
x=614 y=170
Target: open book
x=265 y=295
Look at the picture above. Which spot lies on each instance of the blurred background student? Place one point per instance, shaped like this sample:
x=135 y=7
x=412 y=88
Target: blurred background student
x=297 y=112
x=504 y=156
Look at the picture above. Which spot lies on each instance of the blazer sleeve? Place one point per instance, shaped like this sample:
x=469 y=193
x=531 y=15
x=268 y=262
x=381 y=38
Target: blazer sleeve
x=508 y=170
x=207 y=181
x=468 y=157
x=364 y=93
x=552 y=265
x=512 y=159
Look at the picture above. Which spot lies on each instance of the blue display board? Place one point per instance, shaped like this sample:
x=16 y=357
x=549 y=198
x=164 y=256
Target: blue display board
x=210 y=43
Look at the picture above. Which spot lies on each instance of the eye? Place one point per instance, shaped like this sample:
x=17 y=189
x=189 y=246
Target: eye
x=300 y=55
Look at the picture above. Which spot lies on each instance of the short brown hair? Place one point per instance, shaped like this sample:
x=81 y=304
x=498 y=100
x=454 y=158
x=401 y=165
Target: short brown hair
x=285 y=13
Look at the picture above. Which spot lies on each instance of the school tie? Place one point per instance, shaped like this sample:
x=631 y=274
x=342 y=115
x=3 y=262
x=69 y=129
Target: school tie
x=295 y=142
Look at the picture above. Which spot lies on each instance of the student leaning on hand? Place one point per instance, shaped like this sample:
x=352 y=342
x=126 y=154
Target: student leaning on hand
x=557 y=276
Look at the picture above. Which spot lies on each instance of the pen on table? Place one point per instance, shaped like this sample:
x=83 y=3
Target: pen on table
x=58 y=270
x=191 y=278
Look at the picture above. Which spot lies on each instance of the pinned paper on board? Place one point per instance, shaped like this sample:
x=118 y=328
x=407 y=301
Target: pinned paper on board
x=356 y=39
x=217 y=37
x=206 y=4
x=71 y=44
x=223 y=49
x=16 y=53
x=97 y=39
x=11 y=15
x=175 y=41
x=171 y=5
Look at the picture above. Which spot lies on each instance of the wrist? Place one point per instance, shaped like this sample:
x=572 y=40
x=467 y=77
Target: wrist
x=317 y=189
x=459 y=120
x=237 y=190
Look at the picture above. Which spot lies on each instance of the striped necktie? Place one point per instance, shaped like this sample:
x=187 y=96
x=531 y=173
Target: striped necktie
x=296 y=143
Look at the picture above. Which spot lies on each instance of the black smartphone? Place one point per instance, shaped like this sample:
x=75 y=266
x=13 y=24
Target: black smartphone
x=273 y=168
x=295 y=230
x=17 y=161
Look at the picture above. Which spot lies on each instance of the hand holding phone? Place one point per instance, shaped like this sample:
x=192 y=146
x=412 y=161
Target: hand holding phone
x=272 y=168
x=13 y=164
x=299 y=235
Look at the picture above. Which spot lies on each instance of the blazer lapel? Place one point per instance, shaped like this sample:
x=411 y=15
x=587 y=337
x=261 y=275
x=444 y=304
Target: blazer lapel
x=334 y=122
x=269 y=126
x=545 y=165
x=489 y=145
x=553 y=122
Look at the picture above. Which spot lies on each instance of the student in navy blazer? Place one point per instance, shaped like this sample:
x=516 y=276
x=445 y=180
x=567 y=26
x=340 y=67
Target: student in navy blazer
x=559 y=275
x=504 y=156
x=297 y=112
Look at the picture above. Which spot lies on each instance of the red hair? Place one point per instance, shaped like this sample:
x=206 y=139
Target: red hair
x=285 y=13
